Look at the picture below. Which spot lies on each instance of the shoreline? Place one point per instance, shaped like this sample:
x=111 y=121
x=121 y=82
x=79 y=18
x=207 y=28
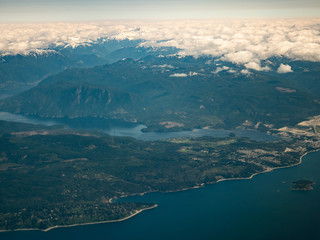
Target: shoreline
x=156 y=205
x=269 y=170
x=225 y=179
x=243 y=178
x=82 y=224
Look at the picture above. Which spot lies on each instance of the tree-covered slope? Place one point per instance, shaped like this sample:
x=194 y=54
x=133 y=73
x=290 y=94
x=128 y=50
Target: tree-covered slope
x=189 y=91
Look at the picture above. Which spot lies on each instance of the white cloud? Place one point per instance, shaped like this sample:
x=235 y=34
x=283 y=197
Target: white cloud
x=219 y=69
x=256 y=66
x=245 y=72
x=243 y=42
x=239 y=57
x=284 y=68
x=225 y=68
x=163 y=66
x=178 y=75
x=194 y=74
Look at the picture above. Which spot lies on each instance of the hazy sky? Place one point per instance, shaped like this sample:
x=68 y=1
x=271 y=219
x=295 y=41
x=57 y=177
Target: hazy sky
x=88 y=10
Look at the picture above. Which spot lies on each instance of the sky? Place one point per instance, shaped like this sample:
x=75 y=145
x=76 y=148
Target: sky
x=92 y=10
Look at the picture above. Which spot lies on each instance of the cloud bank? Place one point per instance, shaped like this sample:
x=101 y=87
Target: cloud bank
x=244 y=42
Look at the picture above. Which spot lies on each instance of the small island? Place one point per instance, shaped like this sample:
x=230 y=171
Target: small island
x=303 y=185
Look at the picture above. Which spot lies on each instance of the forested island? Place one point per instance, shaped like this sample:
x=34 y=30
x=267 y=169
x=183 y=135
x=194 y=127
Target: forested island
x=303 y=185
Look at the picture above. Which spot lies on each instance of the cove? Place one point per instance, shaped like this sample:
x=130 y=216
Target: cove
x=260 y=208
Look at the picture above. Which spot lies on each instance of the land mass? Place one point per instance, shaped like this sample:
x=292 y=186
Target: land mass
x=57 y=176
x=132 y=214
x=148 y=91
x=51 y=176
x=303 y=185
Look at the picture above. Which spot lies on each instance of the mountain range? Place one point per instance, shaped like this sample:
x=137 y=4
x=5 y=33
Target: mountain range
x=191 y=92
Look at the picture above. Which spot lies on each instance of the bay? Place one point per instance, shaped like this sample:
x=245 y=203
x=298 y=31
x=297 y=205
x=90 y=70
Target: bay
x=264 y=207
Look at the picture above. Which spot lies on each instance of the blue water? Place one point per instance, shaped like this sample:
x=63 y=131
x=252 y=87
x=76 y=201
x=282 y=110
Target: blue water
x=137 y=133
x=261 y=208
x=118 y=128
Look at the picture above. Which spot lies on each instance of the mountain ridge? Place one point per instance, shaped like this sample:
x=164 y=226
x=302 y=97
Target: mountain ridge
x=189 y=92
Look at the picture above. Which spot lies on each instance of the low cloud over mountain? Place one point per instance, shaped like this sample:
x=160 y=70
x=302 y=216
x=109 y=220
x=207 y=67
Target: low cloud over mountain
x=244 y=42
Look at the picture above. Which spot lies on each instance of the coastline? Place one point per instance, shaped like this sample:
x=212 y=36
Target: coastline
x=156 y=205
x=270 y=169
x=228 y=179
x=83 y=224
x=243 y=178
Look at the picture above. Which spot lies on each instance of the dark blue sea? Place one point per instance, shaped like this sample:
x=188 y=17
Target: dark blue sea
x=261 y=208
